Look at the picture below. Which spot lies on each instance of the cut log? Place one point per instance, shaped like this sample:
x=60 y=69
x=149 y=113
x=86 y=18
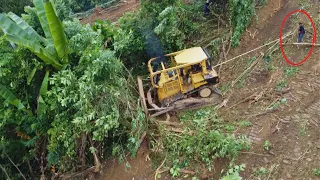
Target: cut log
x=301 y=44
x=162 y=112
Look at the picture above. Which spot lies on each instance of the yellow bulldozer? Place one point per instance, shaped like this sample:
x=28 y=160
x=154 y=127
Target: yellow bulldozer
x=178 y=81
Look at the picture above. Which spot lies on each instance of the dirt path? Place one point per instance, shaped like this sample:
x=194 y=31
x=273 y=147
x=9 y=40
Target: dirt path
x=293 y=129
x=113 y=13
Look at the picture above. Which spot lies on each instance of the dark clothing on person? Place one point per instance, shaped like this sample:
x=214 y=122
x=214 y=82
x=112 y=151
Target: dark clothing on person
x=206 y=9
x=301 y=30
x=300 y=38
x=301 y=33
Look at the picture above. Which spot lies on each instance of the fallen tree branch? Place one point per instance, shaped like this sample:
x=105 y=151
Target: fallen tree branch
x=169 y=123
x=250 y=68
x=187 y=171
x=244 y=100
x=221 y=54
x=158 y=169
x=301 y=44
x=168 y=117
x=5 y=172
x=142 y=138
x=15 y=166
x=255 y=153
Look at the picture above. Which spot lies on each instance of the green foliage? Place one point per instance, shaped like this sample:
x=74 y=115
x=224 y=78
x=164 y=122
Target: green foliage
x=108 y=31
x=303 y=130
x=174 y=27
x=80 y=36
x=19 y=32
x=266 y=145
x=290 y=71
x=281 y=84
x=90 y=99
x=13 y=6
x=203 y=139
x=129 y=41
x=260 y=2
x=244 y=123
x=11 y=98
x=57 y=33
x=84 y=5
x=159 y=27
x=174 y=170
x=31 y=18
x=229 y=128
x=316 y=172
x=260 y=173
x=276 y=104
x=240 y=13
x=63 y=9
x=234 y=173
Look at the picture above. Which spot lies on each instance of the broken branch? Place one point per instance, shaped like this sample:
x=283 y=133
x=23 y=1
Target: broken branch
x=301 y=44
x=158 y=169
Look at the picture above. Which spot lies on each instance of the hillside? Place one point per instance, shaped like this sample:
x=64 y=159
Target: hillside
x=291 y=129
x=71 y=106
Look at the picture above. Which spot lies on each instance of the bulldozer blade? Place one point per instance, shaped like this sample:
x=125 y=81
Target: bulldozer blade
x=142 y=96
x=162 y=112
x=196 y=103
x=150 y=102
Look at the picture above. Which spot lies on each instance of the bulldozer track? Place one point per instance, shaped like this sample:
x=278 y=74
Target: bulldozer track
x=185 y=96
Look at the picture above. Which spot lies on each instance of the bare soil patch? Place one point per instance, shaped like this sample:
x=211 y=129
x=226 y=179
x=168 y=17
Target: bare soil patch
x=113 y=13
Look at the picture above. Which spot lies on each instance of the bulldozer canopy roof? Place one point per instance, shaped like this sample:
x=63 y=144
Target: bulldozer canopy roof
x=192 y=55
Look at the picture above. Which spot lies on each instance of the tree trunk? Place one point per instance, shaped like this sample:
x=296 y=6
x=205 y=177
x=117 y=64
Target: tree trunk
x=97 y=162
x=83 y=151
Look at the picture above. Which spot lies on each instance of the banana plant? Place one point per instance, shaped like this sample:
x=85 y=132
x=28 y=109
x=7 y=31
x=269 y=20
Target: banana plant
x=18 y=32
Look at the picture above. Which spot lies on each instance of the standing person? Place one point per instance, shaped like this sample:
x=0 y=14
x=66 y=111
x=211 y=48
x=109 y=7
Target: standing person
x=206 y=9
x=301 y=32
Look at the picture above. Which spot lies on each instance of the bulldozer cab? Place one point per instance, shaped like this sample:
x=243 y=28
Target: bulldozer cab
x=178 y=74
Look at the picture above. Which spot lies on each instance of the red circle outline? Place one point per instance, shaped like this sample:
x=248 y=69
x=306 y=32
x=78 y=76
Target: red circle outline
x=313 y=37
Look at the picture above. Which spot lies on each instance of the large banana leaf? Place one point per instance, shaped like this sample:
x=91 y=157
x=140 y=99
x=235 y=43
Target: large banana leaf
x=43 y=18
x=10 y=27
x=41 y=108
x=37 y=49
x=28 y=29
x=11 y=98
x=31 y=75
x=43 y=92
x=57 y=32
x=44 y=85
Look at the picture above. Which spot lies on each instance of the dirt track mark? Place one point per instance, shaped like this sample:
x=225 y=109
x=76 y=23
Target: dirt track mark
x=254 y=133
x=314 y=110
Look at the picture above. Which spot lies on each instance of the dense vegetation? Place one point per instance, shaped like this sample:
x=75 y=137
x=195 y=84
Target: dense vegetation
x=13 y=5
x=66 y=99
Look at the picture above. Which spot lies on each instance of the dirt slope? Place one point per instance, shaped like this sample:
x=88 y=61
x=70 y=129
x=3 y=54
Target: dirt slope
x=113 y=13
x=293 y=128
